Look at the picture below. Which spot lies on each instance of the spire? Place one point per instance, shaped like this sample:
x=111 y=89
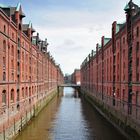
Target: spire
x=30 y=24
x=130 y=6
x=18 y=6
x=126 y=7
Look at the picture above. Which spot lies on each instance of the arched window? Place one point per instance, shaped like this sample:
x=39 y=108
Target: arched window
x=12 y=50
x=12 y=95
x=4 y=62
x=26 y=92
x=12 y=76
x=12 y=64
x=18 y=54
x=4 y=46
x=29 y=91
x=23 y=92
x=4 y=97
x=4 y=76
x=17 y=94
x=18 y=42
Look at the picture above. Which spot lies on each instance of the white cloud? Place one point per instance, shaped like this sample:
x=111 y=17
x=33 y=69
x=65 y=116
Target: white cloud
x=72 y=34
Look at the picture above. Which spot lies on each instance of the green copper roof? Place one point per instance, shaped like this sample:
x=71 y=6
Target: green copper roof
x=99 y=46
x=3 y=6
x=30 y=24
x=106 y=40
x=126 y=7
x=18 y=6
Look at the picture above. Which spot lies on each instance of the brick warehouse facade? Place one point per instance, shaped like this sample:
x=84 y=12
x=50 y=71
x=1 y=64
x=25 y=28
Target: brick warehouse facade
x=75 y=77
x=111 y=74
x=28 y=73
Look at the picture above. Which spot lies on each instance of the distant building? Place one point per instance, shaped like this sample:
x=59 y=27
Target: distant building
x=67 y=78
x=75 y=77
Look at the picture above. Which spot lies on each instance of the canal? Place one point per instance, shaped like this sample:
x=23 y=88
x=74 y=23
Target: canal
x=68 y=117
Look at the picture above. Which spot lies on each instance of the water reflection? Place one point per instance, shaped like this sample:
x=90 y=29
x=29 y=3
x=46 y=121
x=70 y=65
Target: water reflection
x=69 y=118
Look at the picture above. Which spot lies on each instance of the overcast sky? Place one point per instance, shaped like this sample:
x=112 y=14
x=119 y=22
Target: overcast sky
x=72 y=27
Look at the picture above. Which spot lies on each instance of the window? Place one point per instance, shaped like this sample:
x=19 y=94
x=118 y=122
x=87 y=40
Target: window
x=12 y=95
x=4 y=76
x=4 y=62
x=19 y=27
x=4 y=29
x=123 y=94
x=12 y=64
x=18 y=55
x=4 y=46
x=18 y=42
x=23 y=92
x=17 y=94
x=4 y=97
x=26 y=92
x=12 y=76
x=137 y=46
x=137 y=31
x=18 y=78
x=12 y=50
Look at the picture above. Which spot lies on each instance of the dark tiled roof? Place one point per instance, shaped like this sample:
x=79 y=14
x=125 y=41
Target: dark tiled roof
x=25 y=27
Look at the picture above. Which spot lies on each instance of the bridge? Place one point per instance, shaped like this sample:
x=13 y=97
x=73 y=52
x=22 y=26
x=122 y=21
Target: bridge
x=69 y=85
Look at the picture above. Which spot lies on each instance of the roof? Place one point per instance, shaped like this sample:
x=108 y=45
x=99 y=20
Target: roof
x=25 y=27
x=3 y=6
x=119 y=26
x=34 y=40
x=106 y=40
x=126 y=7
x=18 y=6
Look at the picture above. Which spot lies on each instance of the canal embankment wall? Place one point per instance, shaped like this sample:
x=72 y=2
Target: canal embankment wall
x=14 y=125
x=124 y=123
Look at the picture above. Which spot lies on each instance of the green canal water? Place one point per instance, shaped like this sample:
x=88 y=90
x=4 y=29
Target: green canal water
x=68 y=117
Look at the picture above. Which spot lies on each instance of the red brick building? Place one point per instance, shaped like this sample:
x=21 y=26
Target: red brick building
x=75 y=77
x=27 y=71
x=112 y=72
